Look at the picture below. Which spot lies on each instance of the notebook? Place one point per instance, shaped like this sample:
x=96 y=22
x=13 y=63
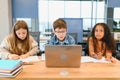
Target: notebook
x=9 y=65
x=63 y=55
x=12 y=74
x=10 y=68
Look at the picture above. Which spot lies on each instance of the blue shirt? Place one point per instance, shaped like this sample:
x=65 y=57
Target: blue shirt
x=69 y=40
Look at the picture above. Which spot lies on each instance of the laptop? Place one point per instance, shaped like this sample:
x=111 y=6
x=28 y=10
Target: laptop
x=63 y=55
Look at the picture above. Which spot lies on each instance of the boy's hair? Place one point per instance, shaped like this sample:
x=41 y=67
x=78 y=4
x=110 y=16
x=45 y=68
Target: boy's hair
x=59 y=23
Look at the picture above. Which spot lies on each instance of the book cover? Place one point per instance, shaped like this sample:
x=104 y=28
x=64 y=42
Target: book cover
x=9 y=64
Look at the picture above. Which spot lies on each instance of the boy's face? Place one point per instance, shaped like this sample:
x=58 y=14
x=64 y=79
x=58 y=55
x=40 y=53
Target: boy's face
x=60 y=33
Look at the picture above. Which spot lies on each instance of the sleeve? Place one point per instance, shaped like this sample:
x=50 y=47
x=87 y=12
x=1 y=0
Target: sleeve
x=72 y=40
x=5 y=48
x=51 y=41
x=90 y=46
x=34 y=47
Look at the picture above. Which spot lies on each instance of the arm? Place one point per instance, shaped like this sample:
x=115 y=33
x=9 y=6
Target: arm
x=5 y=50
x=91 y=47
x=92 y=52
x=72 y=41
x=108 y=55
x=51 y=41
x=34 y=49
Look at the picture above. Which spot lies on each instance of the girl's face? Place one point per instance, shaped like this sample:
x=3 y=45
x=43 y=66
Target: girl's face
x=60 y=33
x=21 y=33
x=99 y=32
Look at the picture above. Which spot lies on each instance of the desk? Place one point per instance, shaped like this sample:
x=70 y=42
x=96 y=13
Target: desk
x=87 y=71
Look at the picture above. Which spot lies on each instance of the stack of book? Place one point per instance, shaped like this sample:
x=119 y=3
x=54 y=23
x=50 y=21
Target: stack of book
x=10 y=68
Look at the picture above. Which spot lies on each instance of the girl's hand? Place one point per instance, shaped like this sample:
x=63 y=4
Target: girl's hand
x=108 y=59
x=114 y=60
x=99 y=55
x=111 y=59
x=13 y=56
x=24 y=56
x=94 y=56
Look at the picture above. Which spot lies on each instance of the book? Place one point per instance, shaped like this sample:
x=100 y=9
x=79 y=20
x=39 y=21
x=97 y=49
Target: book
x=12 y=74
x=9 y=65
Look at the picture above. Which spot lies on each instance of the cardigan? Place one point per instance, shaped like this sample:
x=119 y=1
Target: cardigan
x=5 y=47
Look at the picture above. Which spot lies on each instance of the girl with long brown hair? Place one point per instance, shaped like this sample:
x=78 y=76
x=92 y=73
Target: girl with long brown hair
x=19 y=44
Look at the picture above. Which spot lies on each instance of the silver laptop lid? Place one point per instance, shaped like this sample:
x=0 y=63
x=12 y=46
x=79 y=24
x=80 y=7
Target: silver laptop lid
x=63 y=55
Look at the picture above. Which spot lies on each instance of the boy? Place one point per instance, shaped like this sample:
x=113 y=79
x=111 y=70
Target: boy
x=60 y=36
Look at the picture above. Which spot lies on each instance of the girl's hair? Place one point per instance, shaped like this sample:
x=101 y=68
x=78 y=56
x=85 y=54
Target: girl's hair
x=59 y=23
x=107 y=38
x=14 y=40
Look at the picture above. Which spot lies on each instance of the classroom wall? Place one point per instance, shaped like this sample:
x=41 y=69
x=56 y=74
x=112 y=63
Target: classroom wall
x=75 y=25
x=25 y=9
x=5 y=18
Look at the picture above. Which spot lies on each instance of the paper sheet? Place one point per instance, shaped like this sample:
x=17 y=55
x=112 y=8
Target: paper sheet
x=84 y=59
x=43 y=57
x=31 y=59
x=90 y=59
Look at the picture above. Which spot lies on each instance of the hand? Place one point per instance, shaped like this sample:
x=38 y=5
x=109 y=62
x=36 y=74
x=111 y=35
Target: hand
x=13 y=56
x=99 y=55
x=24 y=56
x=94 y=56
x=113 y=60
x=107 y=59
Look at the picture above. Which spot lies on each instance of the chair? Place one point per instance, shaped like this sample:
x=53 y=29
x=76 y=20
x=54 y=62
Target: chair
x=74 y=35
x=85 y=46
x=86 y=50
x=36 y=36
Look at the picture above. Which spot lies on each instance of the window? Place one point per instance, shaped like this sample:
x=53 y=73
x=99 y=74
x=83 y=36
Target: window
x=90 y=11
x=117 y=17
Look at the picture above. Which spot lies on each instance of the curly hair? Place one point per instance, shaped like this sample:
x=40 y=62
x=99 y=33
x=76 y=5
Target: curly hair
x=107 y=38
